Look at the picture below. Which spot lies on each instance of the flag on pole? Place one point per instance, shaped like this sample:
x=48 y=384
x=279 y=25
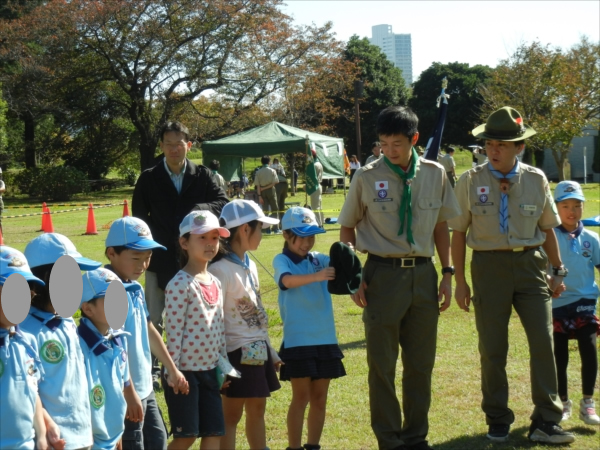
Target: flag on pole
x=312 y=184
x=435 y=141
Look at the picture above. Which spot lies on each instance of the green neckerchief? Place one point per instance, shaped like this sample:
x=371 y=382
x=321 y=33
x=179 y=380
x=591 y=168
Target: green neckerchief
x=405 y=206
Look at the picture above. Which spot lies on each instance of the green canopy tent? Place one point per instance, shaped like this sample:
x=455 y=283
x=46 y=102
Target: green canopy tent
x=273 y=138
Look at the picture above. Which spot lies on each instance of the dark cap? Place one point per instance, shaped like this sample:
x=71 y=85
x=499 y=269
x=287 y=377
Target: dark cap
x=348 y=270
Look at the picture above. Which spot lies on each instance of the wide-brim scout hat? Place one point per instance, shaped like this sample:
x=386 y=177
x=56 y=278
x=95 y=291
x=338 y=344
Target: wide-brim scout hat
x=348 y=270
x=506 y=124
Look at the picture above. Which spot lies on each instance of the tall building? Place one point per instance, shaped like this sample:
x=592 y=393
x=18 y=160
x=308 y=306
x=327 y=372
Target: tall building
x=397 y=48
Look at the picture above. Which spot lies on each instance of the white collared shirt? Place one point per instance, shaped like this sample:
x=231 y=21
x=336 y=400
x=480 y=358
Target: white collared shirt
x=177 y=179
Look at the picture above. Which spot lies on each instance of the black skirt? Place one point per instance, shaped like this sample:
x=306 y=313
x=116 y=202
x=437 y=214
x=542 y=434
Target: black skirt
x=314 y=361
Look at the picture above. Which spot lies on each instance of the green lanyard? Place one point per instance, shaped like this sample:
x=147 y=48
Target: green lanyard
x=405 y=205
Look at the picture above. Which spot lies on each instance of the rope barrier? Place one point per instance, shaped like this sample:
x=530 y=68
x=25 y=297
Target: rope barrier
x=52 y=205
x=106 y=205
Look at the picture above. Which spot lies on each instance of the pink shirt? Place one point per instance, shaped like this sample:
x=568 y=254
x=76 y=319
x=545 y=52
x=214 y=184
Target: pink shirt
x=194 y=322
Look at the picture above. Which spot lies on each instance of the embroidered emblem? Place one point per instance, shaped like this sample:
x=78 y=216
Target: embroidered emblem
x=52 y=351
x=586 y=244
x=381 y=185
x=200 y=220
x=16 y=261
x=97 y=396
x=31 y=370
x=382 y=193
x=569 y=189
x=315 y=262
x=306 y=219
x=586 y=254
x=1 y=367
x=483 y=190
x=142 y=231
x=483 y=198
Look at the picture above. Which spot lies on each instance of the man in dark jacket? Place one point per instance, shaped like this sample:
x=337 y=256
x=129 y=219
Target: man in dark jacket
x=163 y=196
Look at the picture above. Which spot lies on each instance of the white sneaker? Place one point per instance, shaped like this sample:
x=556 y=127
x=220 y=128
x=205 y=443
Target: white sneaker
x=567 y=409
x=587 y=412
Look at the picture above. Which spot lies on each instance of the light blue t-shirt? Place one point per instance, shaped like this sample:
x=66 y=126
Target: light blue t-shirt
x=64 y=389
x=20 y=371
x=107 y=374
x=138 y=343
x=306 y=311
x=580 y=253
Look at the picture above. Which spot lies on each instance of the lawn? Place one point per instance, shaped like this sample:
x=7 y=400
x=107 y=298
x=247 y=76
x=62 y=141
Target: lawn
x=456 y=421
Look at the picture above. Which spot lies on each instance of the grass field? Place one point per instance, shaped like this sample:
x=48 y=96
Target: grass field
x=456 y=421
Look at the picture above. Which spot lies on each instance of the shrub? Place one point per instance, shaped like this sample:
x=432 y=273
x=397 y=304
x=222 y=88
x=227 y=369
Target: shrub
x=52 y=183
x=129 y=174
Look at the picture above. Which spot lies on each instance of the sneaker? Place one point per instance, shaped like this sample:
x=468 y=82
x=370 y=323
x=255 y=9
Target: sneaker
x=498 y=432
x=587 y=411
x=549 y=433
x=567 y=409
x=278 y=232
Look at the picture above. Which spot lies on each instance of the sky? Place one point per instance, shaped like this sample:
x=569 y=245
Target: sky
x=474 y=32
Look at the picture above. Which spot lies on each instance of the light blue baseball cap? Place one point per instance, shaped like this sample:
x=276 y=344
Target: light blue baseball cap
x=301 y=221
x=96 y=282
x=568 y=189
x=133 y=233
x=13 y=261
x=48 y=247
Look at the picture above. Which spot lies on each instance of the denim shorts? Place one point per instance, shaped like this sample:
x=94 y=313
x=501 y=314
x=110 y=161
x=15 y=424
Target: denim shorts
x=199 y=413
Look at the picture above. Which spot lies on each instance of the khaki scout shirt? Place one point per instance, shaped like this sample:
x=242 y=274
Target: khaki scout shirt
x=448 y=162
x=374 y=200
x=530 y=209
x=265 y=176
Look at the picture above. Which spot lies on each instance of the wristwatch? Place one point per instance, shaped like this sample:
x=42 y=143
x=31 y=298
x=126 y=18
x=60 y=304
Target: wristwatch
x=560 y=271
x=449 y=270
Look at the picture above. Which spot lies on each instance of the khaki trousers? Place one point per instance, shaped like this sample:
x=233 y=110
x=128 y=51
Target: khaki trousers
x=401 y=313
x=270 y=200
x=501 y=281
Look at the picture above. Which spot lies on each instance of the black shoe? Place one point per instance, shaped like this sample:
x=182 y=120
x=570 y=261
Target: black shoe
x=498 y=432
x=423 y=445
x=549 y=433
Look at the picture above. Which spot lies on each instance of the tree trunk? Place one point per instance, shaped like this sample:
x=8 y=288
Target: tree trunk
x=560 y=157
x=29 y=140
x=528 y=156
x=147 y=150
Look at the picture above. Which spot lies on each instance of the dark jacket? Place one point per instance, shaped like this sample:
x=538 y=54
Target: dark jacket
x=156 y=202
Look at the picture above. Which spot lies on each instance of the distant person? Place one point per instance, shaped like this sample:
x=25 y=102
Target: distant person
x=295 y=180
x=376 y=149
x=574 y=311
x=479 y=156
x=214 y=166
x=163 y=196
x=265 y=180
x=354 y=166
x=281 y=188
x=316 y=197
x=449 y=165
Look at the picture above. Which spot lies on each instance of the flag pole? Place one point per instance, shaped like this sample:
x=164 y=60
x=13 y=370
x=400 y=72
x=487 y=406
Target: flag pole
x=435 y=141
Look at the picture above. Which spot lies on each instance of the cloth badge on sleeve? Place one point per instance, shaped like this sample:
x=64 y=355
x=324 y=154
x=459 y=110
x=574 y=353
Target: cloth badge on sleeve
x=483 y=198
x=586 y=244
x=483 y=190
x=379 y=185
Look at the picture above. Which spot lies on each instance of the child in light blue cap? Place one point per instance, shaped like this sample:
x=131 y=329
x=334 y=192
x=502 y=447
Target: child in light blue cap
x=105 y=355
x=574 y=312
x=129 y=247
x=21 y=413
x=64 y=390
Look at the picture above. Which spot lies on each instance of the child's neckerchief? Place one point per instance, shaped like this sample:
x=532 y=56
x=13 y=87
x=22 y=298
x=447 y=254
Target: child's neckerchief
x=406 y=204
x=245 y=264
x=97 y=343
x=504 y=188
x=50 y=320
x=573 y=235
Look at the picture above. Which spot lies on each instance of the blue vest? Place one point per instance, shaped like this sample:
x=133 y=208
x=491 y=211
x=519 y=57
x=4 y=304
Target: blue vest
x=20 y=371
x=64 y=389
x=107 y=374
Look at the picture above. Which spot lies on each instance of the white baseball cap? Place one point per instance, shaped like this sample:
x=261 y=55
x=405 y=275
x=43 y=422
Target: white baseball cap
x=200 y=222
x=239 y=212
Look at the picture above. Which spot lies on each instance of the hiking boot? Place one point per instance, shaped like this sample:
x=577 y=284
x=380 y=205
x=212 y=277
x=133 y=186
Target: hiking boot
x=567 y=409
x=498 y=432
x=587 y=411
x=549 y=433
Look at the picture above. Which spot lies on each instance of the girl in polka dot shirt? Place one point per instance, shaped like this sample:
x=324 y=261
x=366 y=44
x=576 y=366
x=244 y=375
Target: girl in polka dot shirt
x=196 y=334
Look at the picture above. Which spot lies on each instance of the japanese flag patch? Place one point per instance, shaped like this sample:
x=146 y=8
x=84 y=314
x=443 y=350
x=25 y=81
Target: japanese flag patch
x=483 y=190
x=379 y=185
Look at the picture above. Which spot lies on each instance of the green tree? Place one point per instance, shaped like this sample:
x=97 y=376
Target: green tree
x=383 y=86
x=464 y=104
x=555 y=90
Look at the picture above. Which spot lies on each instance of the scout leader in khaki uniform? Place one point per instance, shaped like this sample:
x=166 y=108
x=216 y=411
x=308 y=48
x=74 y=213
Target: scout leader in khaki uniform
x=265 y=181
x=508 y=215
x=396 y=211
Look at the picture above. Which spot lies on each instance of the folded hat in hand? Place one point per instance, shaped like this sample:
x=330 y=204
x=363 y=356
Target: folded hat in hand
x=348 y=270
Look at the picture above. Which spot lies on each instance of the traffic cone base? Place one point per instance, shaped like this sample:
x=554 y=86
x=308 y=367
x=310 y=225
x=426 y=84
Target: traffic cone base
x=91 y=223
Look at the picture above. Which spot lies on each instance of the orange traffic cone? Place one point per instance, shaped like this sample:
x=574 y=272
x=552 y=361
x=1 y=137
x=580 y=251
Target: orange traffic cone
x=91 y=224
x=125 y=208
x=47 y=226
x=44 y=207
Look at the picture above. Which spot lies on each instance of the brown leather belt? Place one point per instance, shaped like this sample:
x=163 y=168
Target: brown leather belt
x=404 y=263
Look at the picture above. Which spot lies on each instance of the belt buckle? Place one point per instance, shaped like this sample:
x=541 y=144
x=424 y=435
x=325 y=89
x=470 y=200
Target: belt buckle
x=407 y=260
x=518 y=249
